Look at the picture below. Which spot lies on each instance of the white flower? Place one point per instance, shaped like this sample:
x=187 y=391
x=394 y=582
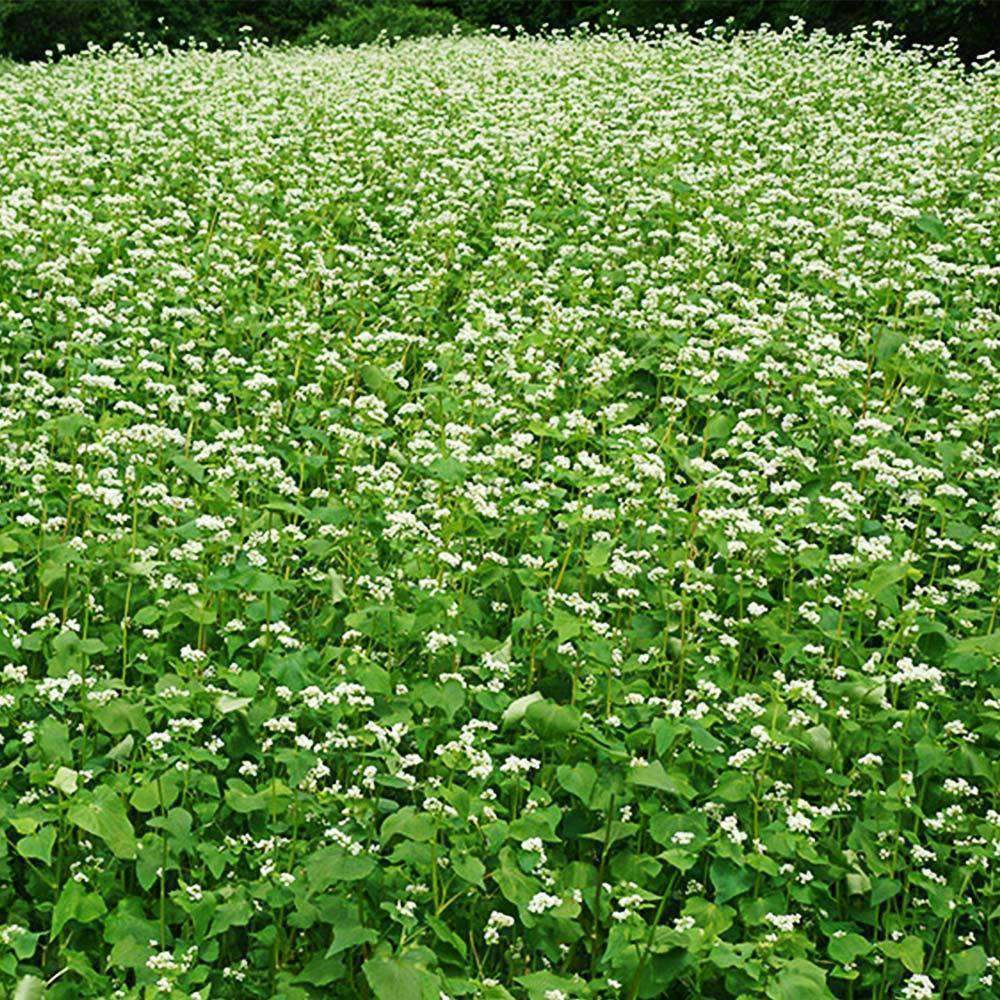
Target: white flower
x=543 y=901
x=918 y=987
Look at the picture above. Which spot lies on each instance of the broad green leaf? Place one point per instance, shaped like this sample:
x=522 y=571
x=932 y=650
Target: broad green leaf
x=53 y=740
x=469 y=868
x=858 y=883
x=391 y=979
x=971 y=962
x=515 y=711
x=515 y=886
x=65 y=780
x=409 y=823
x=241 y=798
x=233 y=912
x=338 y=591
x=884 y=577
x=75 y=903
x=883 y=889
x=38 y=845
x=551 y=721
x=541 y=985
x=733 y=787
x=227 y=703
x=156 y=794
x=909 y=951
x=321 y=970
x=29 y=988
x=351 y=937
x=655 y=775
x=931 y=225
x=988 y=644
x=104 y=816
x=193 y=469
x=730 y=879
x=333 y=864
x=800 y=980
x=578 y=780
x=848 y=947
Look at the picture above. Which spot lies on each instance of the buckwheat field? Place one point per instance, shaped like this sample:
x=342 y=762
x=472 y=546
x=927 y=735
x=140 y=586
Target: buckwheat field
x=501 y=518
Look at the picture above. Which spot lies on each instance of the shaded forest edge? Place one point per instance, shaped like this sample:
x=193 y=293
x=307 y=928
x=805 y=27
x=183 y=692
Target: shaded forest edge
x=38 y=29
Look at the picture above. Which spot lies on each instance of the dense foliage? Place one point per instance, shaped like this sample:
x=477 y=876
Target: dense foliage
x=489 y=518
x=30 y=28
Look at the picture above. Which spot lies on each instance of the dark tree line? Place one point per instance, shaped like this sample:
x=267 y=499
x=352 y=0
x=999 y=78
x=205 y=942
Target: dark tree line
x=31 y=28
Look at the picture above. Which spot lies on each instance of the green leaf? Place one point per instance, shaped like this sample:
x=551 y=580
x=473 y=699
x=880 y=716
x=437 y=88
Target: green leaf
x=718 y=426
x=543 y=984
x=65 y=780
x=858 y=883
x=333 y=864
x=800 y=980
x=374 y=679
x=234 y=912
x=655 y=775
x=104 y=816
x=730 y=880
x=146 y=798
x=809 y=557
x=227 y=703
x=25 y=944
x=380 y=383
x=75 y=903
x=119 y=716
x=971 y=963
x=193 y=469
x=578 y=780
x=883 y=889
x=848 y=948
x=408 y=822
x=884 y=577
x=127 y=953
x=194 y=609
x=513 y=883
x=350 y=937
x=909 y=951
x=931 y=225
x=597 y=556
x=29 y=988
x=448 y=470
x=702 y=738
x=469 y=868
x=52 y=738
x=447 y=936
x=241 y=798
x=391 y=979
x=338 y=592
x=38 y=845
x=567 y=626
x=321 y=970
x=495 y=992
x=122 y=749
x=987 y=644
x=514 y=712
x=551 y=721
x=733 y=787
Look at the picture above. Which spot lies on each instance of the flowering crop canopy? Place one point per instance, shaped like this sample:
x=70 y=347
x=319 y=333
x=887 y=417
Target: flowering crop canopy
x=500 y=517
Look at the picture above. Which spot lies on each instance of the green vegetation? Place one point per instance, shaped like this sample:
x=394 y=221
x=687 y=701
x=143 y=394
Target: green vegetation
x=489 y=518
x=29 y=28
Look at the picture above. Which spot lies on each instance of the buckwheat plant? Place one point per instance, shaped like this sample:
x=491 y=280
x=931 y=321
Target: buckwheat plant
x=501 y=517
